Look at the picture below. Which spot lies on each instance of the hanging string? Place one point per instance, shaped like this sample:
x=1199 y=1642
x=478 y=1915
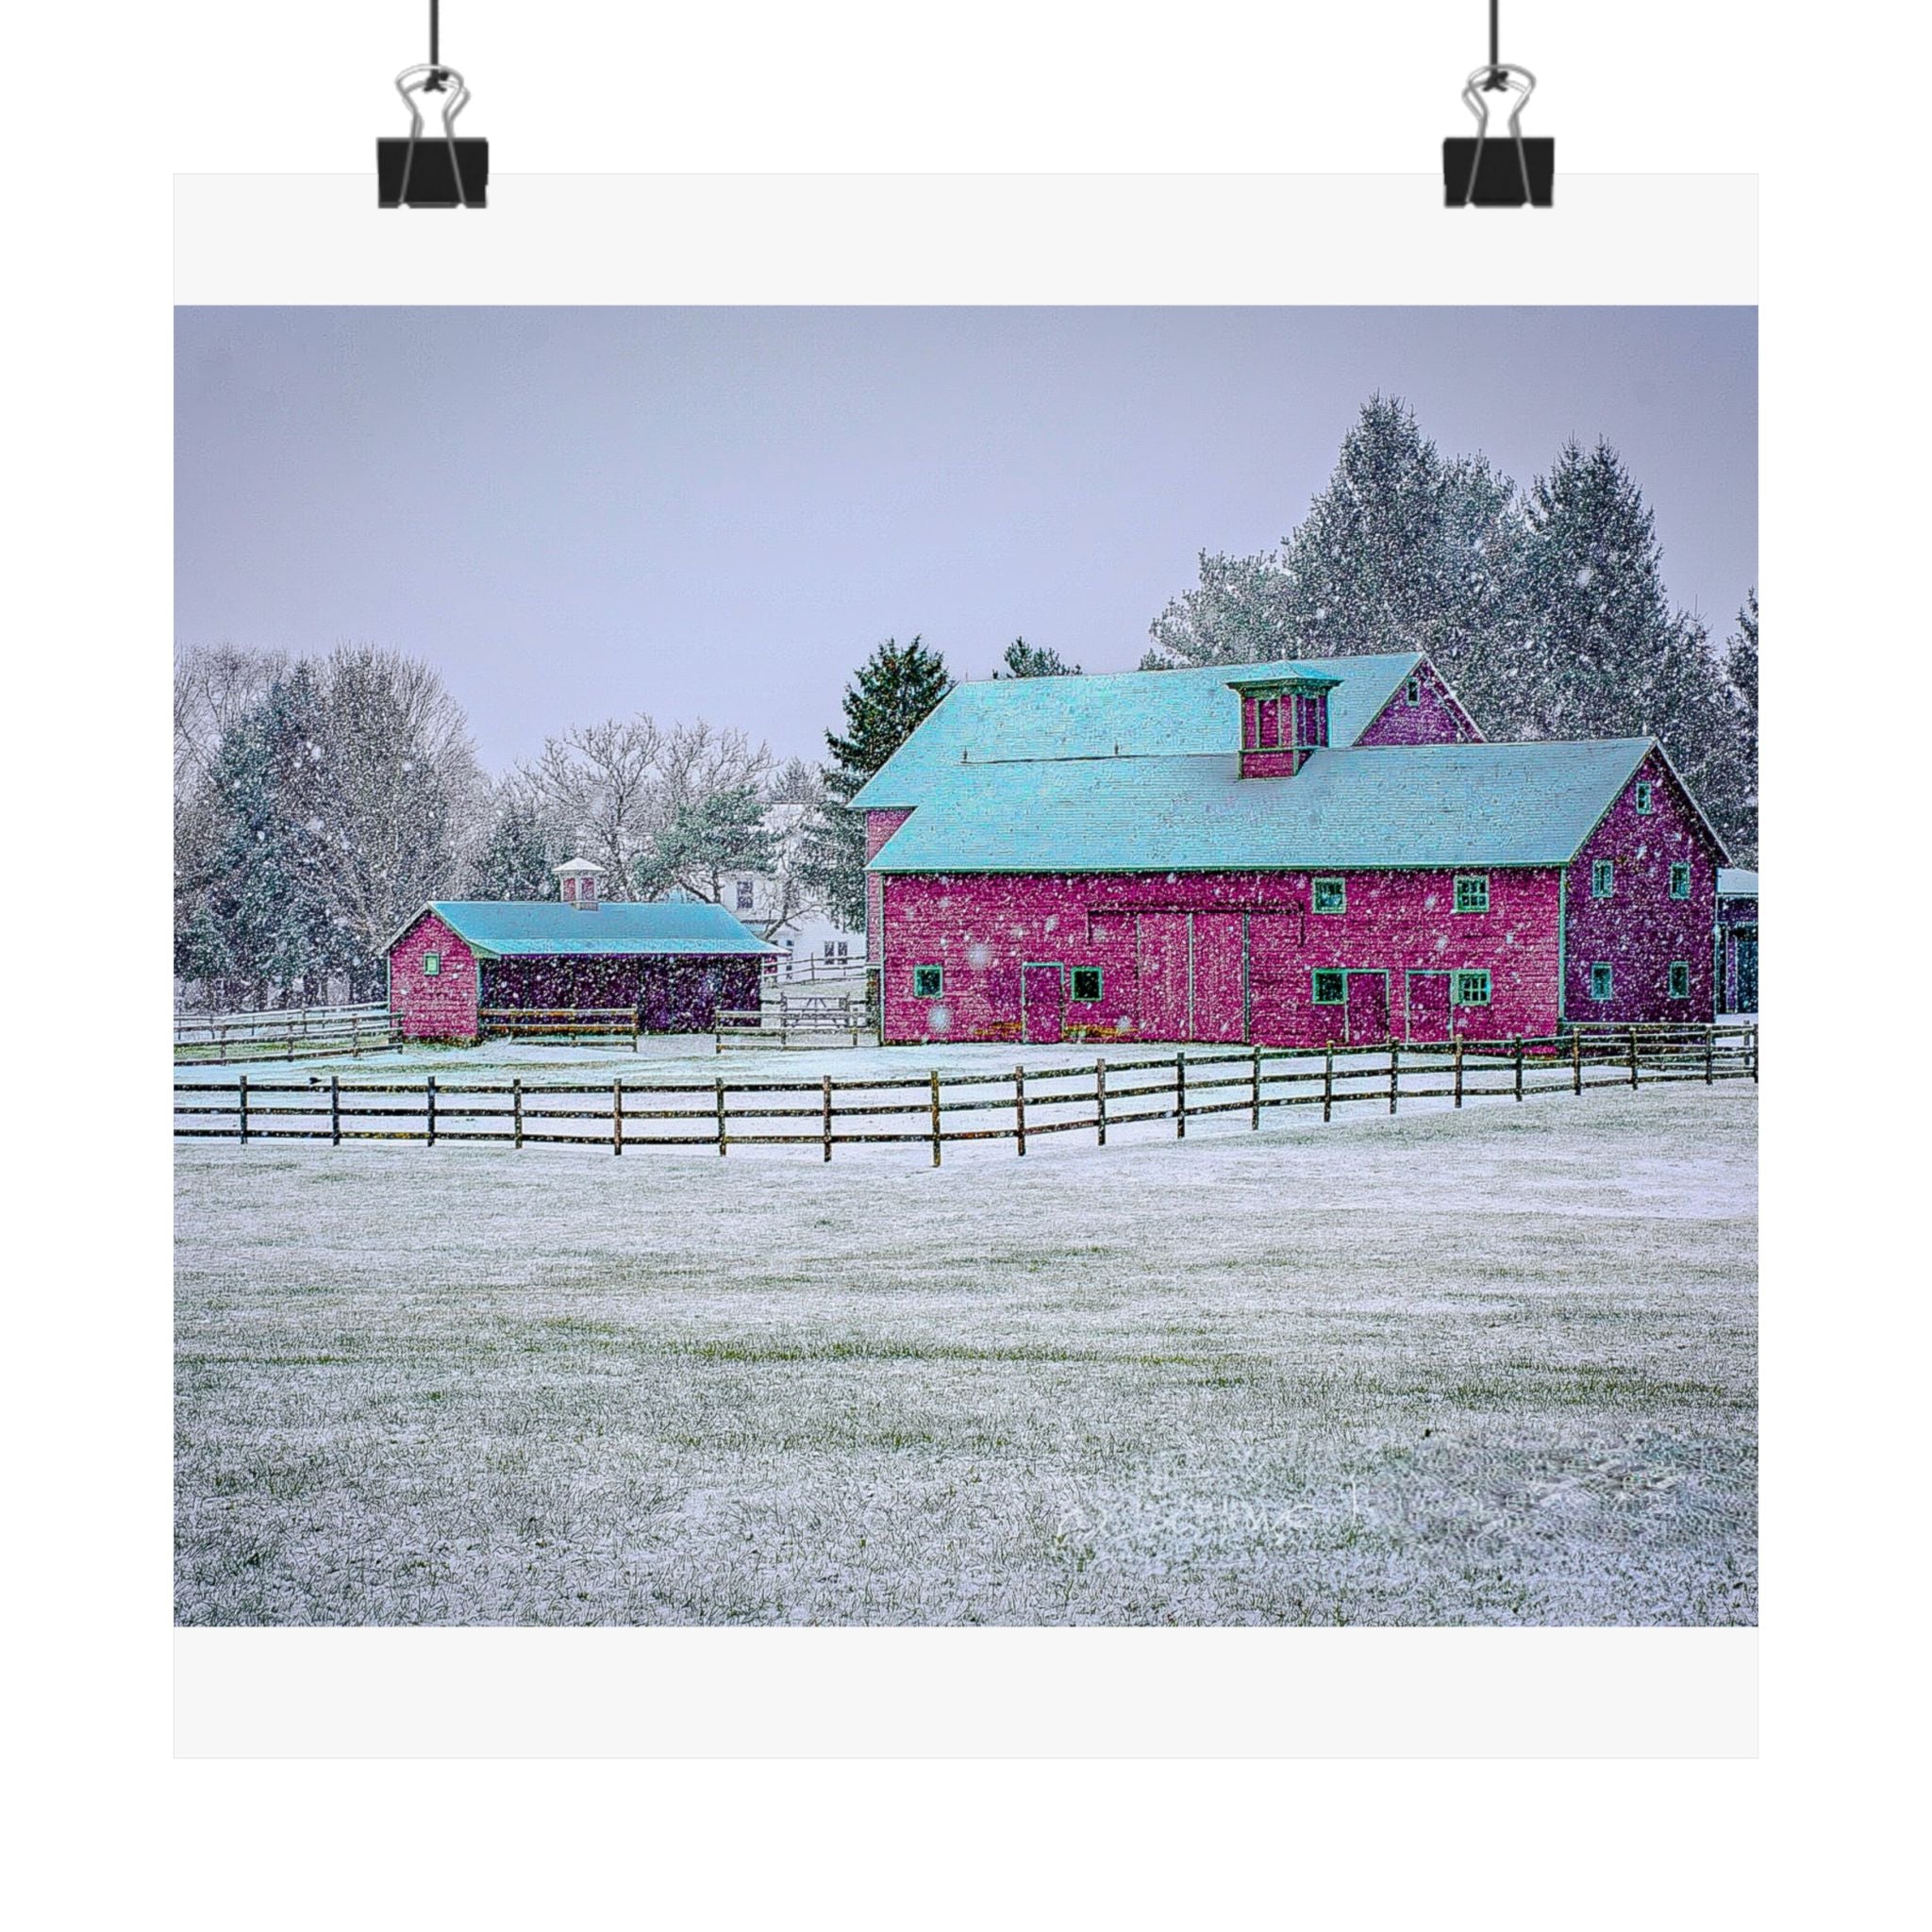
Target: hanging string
x=1495 y=57
x=436 y=34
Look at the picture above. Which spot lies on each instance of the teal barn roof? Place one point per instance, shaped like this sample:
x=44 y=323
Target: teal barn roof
x=548 y=928
x=1138 y=714
x=1735 y=884
x=1396 y=806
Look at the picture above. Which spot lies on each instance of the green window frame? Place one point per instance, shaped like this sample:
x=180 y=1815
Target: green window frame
x=1646 y=797
x=1603 y=879
x=1472 y=891
x=1470 y=987
x=1087 y=982
x=1680 y=879
x=1329 y=896
x=1602 y=982
x=432 y=965
x=1412 y=692
x=1330 y=986
x=928 y=981
x=1680 y=979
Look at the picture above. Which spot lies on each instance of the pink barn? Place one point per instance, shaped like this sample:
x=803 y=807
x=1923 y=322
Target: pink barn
x=1294 y=854
x=673 y=962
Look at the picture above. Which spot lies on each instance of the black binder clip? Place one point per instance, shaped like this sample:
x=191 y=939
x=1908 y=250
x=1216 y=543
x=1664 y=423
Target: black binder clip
x=445 y=173
x=1518 y=172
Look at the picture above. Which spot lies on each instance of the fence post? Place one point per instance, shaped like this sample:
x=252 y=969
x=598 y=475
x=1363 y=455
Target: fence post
x=430 y=1092
x=826 y=1113
x=1576 y=1061
x=617 y=1116
x=935 y=1116
x=1327 y=1082
x=1255 y=1093
x=516 y=1108
x=1100 y=1097
x=335 y=1110
x=1020 y=1108
x=1458 y=1072
x=1633 y=1055
x=244 y=1108
x=1394 y=1073
x=634 y=1028
x=1754 y=1049
x=1519 y=1066
x=1180 y=1096
x=721 y=1118
x=1710 y=1056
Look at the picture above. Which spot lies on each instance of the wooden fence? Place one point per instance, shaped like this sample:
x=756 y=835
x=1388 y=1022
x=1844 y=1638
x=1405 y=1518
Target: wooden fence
x=933 y=1109
x=799 y=1020
x=289 y=1033
x=561 y=1023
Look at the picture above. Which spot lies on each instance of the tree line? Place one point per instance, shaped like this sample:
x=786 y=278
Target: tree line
x=320 y=802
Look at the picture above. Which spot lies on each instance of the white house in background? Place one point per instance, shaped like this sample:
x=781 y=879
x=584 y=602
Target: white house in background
x=774 y=905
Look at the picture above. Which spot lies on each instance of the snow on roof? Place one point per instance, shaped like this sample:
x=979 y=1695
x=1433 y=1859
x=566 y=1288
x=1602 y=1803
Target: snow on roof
x=1428 y=805
x=547 y=926
x=576 y=865
x=1735 y=884
x=1140 y=713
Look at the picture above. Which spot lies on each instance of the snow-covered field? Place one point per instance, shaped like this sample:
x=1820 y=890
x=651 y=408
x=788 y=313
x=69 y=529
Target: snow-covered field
x=1490 y=1367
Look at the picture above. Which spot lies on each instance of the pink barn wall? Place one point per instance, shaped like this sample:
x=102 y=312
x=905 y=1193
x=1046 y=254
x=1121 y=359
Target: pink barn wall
x=880 y=826
x=1434 y=719
x=1640 y=929
x=982 y=929
x=442 y=1008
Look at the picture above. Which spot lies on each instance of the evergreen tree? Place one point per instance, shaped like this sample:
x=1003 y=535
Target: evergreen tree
x=1592 y=650
x=705 y=840
x=516 y=861
x=268 y=904
x=1399 y=552
x=1740 y=663
x=1740 y=677
x=1034 y=660
x=885 y=701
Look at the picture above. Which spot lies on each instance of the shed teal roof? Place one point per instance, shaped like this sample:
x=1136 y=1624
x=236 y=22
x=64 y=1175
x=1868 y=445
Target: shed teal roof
x=1426 y=805
x=1735 y=884
x=549 y=928
x=1142 y=713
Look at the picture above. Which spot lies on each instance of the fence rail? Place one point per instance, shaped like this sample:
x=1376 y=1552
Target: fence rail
x=936 y=1110
x=797 y=1020
x=559 y=1023
x=286 y=1034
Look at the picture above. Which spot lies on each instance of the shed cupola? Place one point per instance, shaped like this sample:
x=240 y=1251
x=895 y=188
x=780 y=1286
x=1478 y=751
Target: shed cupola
x=578 y=883
x=1284 y=719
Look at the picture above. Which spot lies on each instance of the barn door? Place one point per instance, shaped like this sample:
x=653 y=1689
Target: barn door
x=1368 y=1009
x=1221 y=975
x=1747 y=971
x=1043 y=1003
x=1161 y=961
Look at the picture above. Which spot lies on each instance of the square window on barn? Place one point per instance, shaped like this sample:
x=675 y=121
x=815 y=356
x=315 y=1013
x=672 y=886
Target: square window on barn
x=1680 y=979
x=1331 y=988
x=1645 y=796
x=1680 y=880
x=928 y=982
x=1472 y=891
x=1086 y=982
x=1471 y=989
x=432 y=965
x=1603 y=879
x=1331 y=896
x=744 y=895
x=1601 y=981
x=1414 y=692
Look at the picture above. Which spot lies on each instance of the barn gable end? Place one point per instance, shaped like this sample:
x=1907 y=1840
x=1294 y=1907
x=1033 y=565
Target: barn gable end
x=434 y=981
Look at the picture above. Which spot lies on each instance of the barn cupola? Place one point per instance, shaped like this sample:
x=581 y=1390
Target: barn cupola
x=578 y=883
x=1284 y=717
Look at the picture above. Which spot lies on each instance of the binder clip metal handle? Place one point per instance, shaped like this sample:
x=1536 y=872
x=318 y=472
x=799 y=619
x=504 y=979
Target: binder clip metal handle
x=430 y=77
x=1498 y=79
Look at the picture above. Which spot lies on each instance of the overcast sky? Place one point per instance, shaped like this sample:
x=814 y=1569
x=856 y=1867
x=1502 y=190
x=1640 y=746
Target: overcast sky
x=575 y=513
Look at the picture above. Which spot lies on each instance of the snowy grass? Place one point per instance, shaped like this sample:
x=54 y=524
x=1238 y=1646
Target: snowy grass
x=1489 y=1367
